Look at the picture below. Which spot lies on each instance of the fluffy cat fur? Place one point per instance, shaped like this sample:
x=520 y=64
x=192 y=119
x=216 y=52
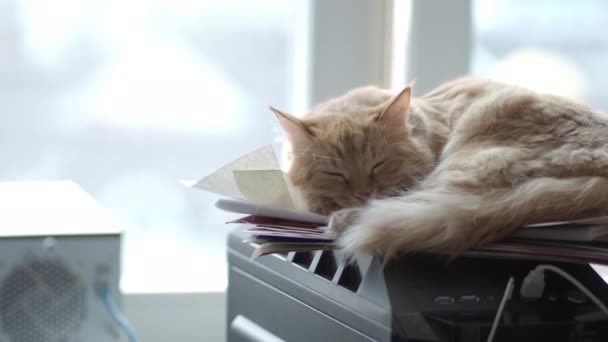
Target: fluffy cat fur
x=464 y=165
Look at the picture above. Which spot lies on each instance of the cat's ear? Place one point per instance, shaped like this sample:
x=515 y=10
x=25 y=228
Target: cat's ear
x=397 y=109
x=294 y=129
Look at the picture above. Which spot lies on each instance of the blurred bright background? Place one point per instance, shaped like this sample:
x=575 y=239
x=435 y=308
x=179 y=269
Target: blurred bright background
x=129 y=97
x=557 y=47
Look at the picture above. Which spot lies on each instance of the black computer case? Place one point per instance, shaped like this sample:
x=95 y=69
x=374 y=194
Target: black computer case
x=315 y=296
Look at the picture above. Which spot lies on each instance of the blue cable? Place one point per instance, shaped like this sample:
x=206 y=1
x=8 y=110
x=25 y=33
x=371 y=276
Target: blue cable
x=117 y=316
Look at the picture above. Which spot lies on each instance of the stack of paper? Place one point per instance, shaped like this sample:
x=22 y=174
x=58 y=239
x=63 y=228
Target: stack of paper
x=587 y=230
x=582 y=241
x=277 y=218
x=282 y=230
x=269 y=227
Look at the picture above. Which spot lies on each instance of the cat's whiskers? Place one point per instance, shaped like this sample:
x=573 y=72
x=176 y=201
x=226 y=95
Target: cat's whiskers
x=315 y=155
x=424 y=169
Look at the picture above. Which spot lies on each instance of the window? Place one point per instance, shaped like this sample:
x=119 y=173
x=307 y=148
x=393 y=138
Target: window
x=129 y=97
x=554 y=47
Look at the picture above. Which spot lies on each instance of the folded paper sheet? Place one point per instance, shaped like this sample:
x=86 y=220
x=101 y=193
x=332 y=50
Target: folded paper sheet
x=256 y=177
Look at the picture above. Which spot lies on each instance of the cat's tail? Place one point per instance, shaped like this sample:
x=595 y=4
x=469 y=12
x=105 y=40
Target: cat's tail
x=453 y=220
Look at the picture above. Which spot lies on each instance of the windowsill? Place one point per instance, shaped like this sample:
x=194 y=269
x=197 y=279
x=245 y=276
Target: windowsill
x=184 y=317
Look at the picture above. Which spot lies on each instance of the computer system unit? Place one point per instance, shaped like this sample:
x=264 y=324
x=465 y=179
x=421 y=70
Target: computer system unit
x=59 y=257
x=316 y=296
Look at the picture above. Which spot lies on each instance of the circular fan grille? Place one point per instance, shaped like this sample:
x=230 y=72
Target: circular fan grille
x=41 y=300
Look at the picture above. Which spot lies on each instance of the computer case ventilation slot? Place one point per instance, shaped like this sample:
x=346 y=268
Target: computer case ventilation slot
x=326 y=267
x=350 y=277
x=303 y=259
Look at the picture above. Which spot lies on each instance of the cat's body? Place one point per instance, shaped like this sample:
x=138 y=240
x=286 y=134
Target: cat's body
x=478 y=159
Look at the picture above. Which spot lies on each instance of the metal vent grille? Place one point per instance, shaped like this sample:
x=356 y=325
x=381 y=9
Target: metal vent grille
x=330 y=267
x=41 y=300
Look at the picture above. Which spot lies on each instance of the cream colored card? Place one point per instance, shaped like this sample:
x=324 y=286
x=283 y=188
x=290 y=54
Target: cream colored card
x=264 y=186
x=256 y=177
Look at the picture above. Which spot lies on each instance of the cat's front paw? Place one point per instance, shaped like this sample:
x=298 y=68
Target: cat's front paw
x=354 y=232
x=342 y=219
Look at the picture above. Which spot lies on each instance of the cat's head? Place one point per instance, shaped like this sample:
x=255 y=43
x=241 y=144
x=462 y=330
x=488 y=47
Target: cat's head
x=343 y=158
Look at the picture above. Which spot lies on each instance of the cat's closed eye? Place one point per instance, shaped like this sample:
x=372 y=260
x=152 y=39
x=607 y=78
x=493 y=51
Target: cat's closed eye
x=336 y=174
x=376 y=167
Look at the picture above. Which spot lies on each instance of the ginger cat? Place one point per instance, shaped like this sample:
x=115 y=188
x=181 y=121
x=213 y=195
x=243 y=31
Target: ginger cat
x=464 y=165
